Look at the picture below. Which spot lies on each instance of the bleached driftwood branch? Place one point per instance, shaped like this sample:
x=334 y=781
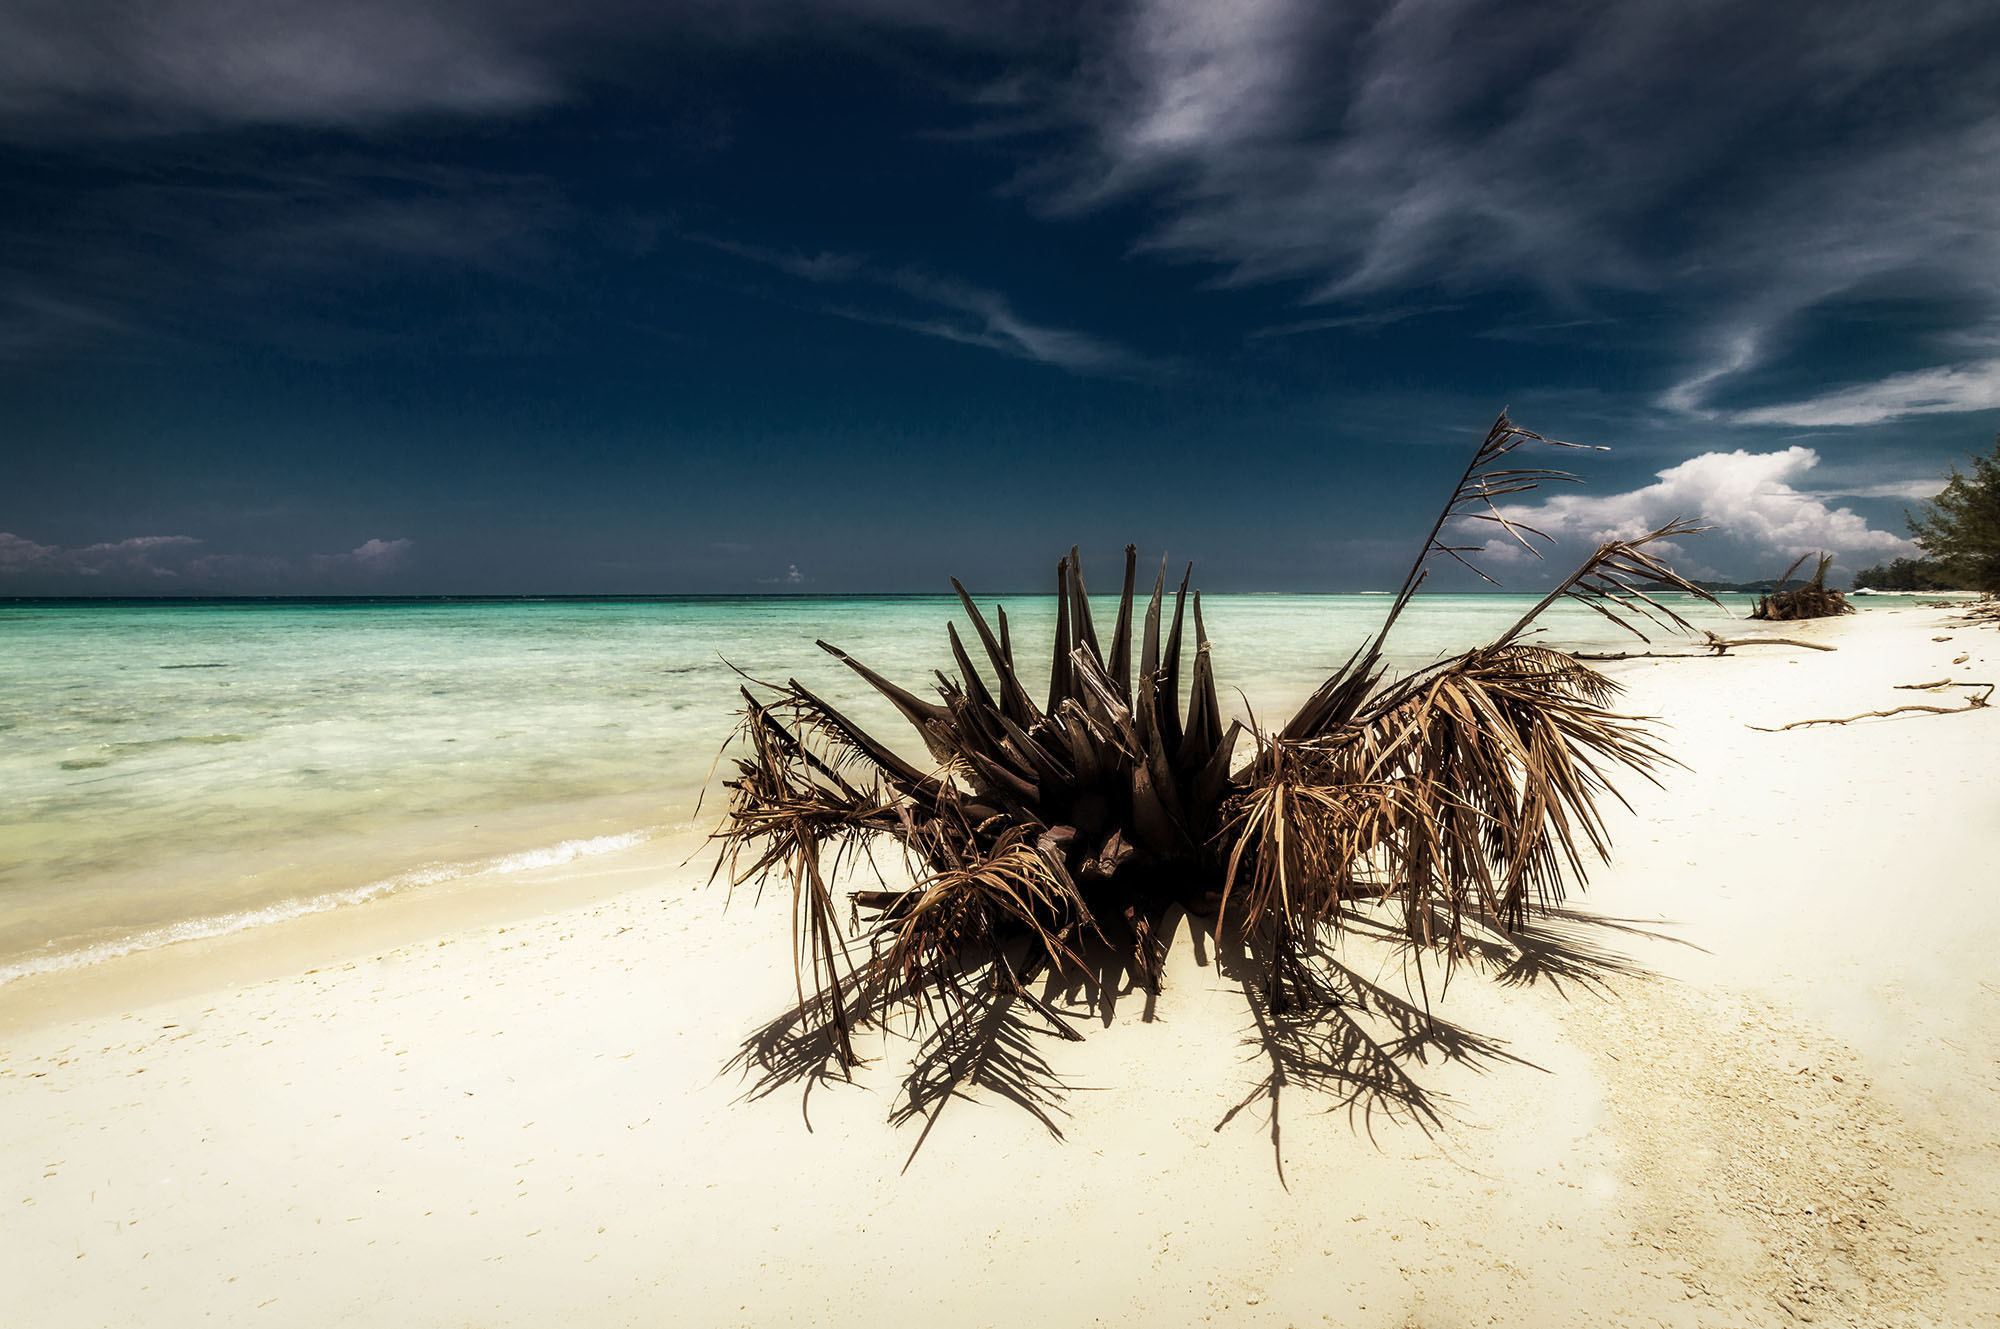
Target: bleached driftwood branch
x=1972 y=703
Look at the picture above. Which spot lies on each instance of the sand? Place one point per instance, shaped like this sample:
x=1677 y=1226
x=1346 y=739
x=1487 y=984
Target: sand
x=1761 y=1087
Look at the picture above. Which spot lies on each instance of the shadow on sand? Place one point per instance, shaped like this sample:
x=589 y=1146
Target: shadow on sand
x=1318 y=1028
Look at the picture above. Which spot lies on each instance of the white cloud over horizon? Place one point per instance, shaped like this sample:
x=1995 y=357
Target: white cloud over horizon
x=173 y=561
x=1760 y=516
x=142 y=555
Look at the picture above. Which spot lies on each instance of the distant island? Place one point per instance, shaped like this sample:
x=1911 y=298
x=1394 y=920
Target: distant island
x=1903 y=574
x=1765 y=587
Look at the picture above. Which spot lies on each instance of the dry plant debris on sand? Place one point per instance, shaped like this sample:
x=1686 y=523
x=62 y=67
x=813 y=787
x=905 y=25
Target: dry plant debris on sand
x=1812 y=600
x=1455 y=803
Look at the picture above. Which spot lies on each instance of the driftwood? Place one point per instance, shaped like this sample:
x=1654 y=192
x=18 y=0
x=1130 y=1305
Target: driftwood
x=1717 y=646
x=1972 y=703
x=1812 y=600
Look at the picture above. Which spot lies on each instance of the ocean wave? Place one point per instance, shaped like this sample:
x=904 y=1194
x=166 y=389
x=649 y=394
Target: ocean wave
x=284 y=911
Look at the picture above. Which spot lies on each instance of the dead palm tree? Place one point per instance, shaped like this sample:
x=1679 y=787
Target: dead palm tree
x=1467 y=792
x=1809 y=599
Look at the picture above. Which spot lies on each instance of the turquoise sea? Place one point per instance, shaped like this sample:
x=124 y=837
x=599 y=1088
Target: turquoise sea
x=181 y=768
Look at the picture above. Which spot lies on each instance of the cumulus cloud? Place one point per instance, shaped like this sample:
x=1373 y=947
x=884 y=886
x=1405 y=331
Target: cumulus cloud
x=370 y=556
x=173 y=562
x=1762 y=518
x=150 y=556
x=792 y=577
x=379 y=555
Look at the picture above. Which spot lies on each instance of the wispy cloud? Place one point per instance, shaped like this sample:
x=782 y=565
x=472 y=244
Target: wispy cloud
x=34 y=323
x=72 y=68
x=1393 y=148
x=1918 y=489
x=948 y=309
x=1367 y=320
x=113 y=65
x=821 y=267
x=1974 y=387
x=120 y=253
x=1737 y=166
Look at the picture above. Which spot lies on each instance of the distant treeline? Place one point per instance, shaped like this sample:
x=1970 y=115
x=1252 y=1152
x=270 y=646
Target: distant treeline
x=1764 y=587
x=1911 y=574
x=1904 y=574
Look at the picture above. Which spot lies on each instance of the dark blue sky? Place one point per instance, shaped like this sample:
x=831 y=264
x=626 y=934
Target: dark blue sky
x=441 y=296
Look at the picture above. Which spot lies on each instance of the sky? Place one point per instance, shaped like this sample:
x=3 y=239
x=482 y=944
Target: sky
x=452 y=297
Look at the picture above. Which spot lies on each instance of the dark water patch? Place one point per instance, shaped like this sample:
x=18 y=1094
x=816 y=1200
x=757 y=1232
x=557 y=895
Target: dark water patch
x=84 y=763
x=206 y=665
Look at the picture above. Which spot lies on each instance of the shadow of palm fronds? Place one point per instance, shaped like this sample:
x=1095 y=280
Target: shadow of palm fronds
x=1562 y=949
x=984 y=1044
x=1566 y=946
x=1346 y=1041
x=805 y=1046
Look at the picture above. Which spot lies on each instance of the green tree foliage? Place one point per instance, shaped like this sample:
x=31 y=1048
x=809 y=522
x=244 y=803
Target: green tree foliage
x=1960 y=528
x=1907 y=574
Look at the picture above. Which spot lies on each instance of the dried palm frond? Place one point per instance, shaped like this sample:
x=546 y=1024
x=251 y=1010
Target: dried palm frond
x=1812 y=600
x=1466 y=794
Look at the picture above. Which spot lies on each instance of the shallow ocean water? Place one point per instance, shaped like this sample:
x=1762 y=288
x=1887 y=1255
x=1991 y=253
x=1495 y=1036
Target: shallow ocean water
x=176 y=769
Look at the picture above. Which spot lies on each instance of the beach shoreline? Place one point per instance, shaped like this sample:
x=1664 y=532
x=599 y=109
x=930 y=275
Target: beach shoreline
x=1760 y=1089
x=177 y=771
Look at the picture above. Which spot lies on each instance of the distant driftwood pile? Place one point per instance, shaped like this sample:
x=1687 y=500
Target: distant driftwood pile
x=1812 y=600
x=1049 y=830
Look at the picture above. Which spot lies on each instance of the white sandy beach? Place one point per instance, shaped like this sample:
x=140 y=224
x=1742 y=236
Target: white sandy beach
x=1773 y=1097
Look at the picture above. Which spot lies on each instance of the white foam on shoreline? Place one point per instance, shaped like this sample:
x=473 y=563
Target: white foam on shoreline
x=218 y=925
